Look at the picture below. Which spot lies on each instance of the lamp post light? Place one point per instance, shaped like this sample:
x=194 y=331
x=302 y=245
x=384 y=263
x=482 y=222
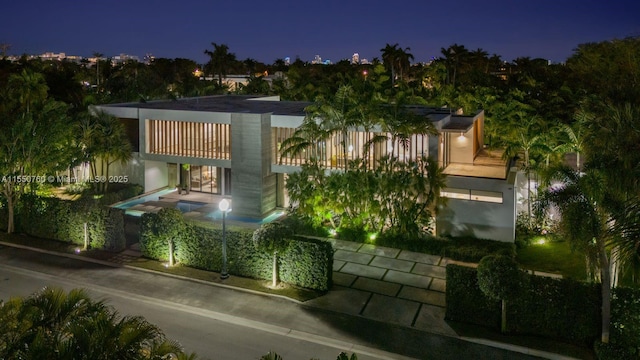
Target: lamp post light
x=224 y=206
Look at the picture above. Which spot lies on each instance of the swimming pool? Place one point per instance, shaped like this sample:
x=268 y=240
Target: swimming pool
x=195 y=210
x=155 y=196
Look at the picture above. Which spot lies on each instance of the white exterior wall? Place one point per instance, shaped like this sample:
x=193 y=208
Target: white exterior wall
x=461 y=147
x=483 y=220
x=156 y=175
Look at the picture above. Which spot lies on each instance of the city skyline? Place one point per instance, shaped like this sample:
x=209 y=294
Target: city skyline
x=331 y=29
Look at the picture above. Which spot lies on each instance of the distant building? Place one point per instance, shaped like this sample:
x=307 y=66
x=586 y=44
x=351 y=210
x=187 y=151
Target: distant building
x=316 y=60
x=148 y=58
x=50 y=56
x=355 y=58
x=122 y=58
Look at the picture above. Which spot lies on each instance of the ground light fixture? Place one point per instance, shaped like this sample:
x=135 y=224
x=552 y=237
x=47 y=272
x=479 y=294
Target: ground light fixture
x=224 y=207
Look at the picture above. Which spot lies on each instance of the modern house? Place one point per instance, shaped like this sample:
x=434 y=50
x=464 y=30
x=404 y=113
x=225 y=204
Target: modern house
x=230 y=145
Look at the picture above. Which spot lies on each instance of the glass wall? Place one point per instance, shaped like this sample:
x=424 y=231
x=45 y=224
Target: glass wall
x=205 y=179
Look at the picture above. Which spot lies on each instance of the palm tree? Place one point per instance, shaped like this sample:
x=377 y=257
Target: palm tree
x=587 y=208
x=221 y=60
x=103 y=136
x=53 y=324
x=307 y=137
x=27 y=88
x=576 y=135
x=98 y=56
x=454 y=56
x=526 y=139
x=338 y=114
x=399 y=123
x=394 y=58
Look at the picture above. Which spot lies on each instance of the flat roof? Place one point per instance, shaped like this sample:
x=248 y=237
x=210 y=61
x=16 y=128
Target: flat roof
x=224 y=104
x=262 y=105
x=458 y=123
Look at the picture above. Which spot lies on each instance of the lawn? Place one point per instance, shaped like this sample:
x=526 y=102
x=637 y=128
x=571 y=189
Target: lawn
x=554 y=257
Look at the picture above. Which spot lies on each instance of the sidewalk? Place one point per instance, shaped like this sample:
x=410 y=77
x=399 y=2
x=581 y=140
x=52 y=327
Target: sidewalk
x=371 y=282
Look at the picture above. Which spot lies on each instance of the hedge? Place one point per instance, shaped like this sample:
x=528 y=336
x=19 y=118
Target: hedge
x=555 y=308
x=307 y=263
x=63 y=220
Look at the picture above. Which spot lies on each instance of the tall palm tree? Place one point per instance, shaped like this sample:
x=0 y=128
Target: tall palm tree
x=338 y=114
x=396 y=58
x=399 y=123
x=98 y=56
x=104 y=137
x=576 y=135
x=389 y=56
x=526 y=139
x=220 y=60
x=587 y=209
x=454 y=56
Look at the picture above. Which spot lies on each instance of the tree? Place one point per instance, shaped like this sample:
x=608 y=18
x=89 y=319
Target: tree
x=338 y=114
x=454 y=56
x=98 y=56
x=103 y=137
x=220 y=60
x=272 y=238
x=35 y=138
x=399 y=123
x=586 y=207
x=500 y=278
x=396 y=58
x=52 y=324
x=527 y=140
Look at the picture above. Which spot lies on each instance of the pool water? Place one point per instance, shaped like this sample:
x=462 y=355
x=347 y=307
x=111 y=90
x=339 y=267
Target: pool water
x=143 y=199
x=186 y=207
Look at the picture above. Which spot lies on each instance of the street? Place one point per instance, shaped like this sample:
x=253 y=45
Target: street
x=220 y=323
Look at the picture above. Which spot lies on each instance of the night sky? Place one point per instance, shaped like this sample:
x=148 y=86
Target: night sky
x=269 y=30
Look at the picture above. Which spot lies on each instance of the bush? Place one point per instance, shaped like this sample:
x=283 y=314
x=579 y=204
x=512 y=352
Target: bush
x=307 y=262
x=560 y=309
x=302 y=225
x=63 y=220
x=624 y=341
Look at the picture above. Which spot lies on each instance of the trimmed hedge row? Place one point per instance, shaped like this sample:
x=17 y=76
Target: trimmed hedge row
x=63 y=220
x=556 y=308
x=306 y=263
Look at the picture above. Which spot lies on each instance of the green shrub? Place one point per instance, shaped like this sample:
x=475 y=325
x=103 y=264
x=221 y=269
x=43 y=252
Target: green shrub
x=302 y=225
x=624 y=341
x=466 y=302
x=307 y=262
x=555 y=308
x=63 y=220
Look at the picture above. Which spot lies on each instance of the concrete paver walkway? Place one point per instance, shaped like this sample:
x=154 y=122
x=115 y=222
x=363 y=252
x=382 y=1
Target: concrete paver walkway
x=389 y=285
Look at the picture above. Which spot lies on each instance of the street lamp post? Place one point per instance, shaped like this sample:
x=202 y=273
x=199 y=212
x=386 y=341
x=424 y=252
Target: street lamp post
x=224 y=206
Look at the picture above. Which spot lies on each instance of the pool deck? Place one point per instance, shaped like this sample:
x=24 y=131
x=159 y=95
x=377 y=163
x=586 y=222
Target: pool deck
x=206 y=212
